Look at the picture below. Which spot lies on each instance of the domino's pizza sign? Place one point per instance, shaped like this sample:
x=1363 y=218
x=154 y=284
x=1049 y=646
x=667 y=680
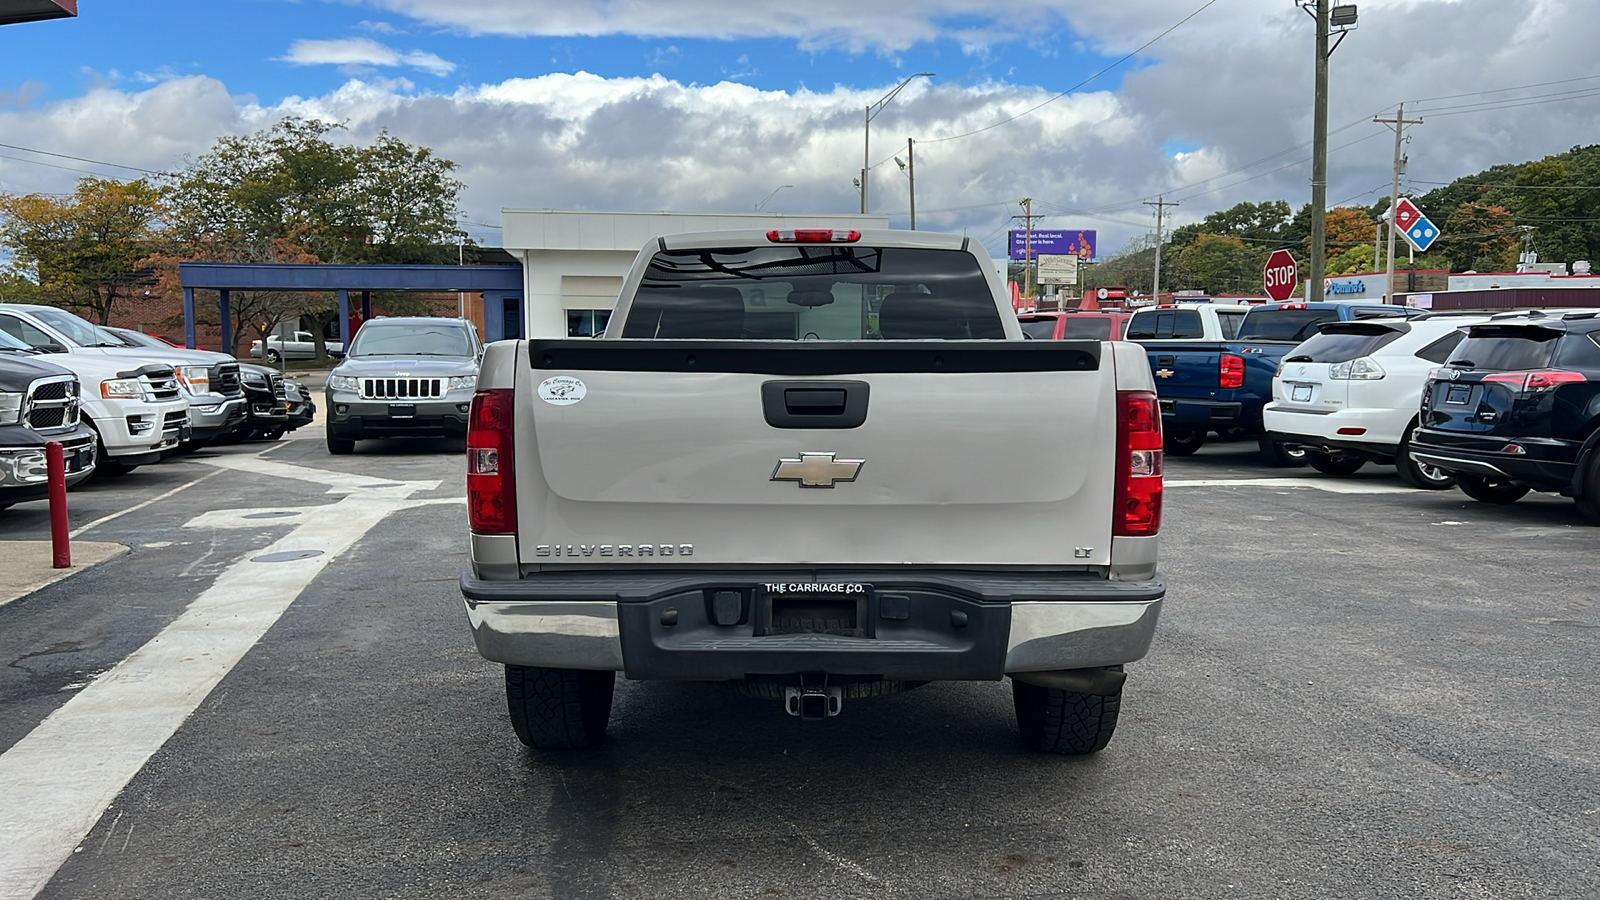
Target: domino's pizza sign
x=1419 y=230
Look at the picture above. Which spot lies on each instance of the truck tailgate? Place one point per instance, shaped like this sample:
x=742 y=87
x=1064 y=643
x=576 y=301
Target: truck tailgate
x=969 y=453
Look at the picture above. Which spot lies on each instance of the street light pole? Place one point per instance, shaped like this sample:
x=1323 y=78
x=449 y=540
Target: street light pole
x=872 y=112
x=771 y=195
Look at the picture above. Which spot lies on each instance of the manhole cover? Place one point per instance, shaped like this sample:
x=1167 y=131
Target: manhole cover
x=385 y=484
x=287 y=555
x=275 y=514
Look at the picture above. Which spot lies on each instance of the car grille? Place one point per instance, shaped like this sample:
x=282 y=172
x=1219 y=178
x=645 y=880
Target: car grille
x=277 y=387
x=225 y=379
x=401 y=388
x=52 y=404
x=175 y=420
x=161 y=386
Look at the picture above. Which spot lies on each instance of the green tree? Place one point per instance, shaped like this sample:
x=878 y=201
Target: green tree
x=1220 y=265
x=291 y=189
x=1262 y=223
x=83 y=250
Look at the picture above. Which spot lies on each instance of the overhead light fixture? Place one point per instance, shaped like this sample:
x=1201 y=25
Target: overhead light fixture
x=1342 y=16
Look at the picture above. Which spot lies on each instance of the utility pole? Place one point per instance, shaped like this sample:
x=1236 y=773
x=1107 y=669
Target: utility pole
x=1398 y=123
x=910 y=168
x=1161 y=205
x=1342 y=17
x=1319 y=162
x=911 y=172
x=1027 y=218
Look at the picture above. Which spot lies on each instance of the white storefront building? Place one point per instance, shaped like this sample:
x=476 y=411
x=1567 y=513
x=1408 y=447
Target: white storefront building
x=573 y=261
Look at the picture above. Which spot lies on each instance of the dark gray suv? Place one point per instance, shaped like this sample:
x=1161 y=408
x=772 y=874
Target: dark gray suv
x=404 y=377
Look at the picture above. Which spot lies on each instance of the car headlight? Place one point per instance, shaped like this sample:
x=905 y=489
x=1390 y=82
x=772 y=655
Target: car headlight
x=10 y=408
x=121 y=389
x=254 y=379
x=196 y=378
x=343 y=382
x=463 y=382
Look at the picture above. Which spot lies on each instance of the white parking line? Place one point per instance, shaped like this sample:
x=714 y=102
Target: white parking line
x=57 y=781
x=1331 y=485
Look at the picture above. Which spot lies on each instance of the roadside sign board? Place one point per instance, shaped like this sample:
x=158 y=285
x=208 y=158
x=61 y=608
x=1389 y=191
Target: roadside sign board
x=1406 y=214
x=1421 y=234
x=1058 y=268
x=1280 y=275
x=1056 y=241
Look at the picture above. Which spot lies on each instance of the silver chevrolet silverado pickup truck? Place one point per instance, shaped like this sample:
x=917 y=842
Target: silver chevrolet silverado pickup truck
x=818 y=465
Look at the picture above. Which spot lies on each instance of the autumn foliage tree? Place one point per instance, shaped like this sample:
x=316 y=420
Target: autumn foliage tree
x=85 y=250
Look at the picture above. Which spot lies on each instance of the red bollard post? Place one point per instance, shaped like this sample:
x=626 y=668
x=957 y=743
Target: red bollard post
x=56 y=466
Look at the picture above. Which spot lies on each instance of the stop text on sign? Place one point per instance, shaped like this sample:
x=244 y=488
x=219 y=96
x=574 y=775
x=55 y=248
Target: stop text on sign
x=1280 y=275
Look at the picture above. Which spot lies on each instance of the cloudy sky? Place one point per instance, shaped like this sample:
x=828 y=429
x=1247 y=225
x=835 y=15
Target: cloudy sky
x=710 y=105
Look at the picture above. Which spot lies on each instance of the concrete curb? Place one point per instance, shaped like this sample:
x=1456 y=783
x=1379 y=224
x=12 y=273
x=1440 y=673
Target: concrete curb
x=25 y=565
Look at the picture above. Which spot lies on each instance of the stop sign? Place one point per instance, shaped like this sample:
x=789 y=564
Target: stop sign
x=1280 y=275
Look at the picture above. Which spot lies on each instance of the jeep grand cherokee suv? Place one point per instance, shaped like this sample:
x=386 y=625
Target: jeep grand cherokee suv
x=404 y=377
x=1517 y=408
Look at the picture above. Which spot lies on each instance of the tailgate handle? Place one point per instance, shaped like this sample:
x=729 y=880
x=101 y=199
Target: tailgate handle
x=814 y=404
x=1164 y=360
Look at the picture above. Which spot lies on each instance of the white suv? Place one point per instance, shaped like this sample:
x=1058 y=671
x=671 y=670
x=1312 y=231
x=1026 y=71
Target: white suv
x=1350 y=394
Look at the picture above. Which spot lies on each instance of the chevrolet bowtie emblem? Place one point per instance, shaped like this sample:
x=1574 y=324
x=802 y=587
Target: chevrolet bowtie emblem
x=1163 y=373
x=817 y=470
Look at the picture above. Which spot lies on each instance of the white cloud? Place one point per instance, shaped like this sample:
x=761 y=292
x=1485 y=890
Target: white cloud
x=363 y=52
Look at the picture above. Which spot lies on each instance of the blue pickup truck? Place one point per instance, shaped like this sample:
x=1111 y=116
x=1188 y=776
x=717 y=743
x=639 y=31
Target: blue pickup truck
x=1222 y=386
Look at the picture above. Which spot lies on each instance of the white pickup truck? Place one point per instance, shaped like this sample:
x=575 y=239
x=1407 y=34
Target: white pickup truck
x=304 y=346
x=1186 y=322
x=795 y=463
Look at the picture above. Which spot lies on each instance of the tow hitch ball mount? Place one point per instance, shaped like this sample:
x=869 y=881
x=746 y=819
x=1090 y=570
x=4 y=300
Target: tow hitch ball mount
x=813 y=701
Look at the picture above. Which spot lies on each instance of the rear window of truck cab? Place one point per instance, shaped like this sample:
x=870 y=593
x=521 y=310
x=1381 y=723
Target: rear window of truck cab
x=1284 y=324
x=1165 y=324
x=813 y=292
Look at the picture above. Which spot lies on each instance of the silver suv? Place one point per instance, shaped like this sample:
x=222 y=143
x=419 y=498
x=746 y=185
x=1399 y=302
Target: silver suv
x=404 y=377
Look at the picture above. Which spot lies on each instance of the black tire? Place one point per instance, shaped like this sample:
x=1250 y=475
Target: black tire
x=1329 y=464
x=559 y=709
x=272 y=356
x=340 y=446
x=1278 y=456
x=1427 y=478
x=105 y=465
x=1183 y=441
x=1499 y=491
x=1588 y=497
x=1066 y=722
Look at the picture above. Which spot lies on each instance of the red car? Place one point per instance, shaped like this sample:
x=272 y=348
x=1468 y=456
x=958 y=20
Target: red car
x=1075 y=326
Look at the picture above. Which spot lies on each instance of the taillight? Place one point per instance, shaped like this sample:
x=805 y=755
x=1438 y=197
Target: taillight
x=1138 y=484
x=1231 y=371
x=491 y=487
x=1535 y=381
x=814 y=236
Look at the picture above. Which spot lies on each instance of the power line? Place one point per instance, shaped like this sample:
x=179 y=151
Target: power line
x=50 y=165
x=1506 y=90
x=98 y=162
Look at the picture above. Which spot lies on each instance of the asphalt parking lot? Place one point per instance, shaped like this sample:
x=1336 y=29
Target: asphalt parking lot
x=1357 y=691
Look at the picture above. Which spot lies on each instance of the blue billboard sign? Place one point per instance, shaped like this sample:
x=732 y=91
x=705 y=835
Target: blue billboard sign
x=1063 y=242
